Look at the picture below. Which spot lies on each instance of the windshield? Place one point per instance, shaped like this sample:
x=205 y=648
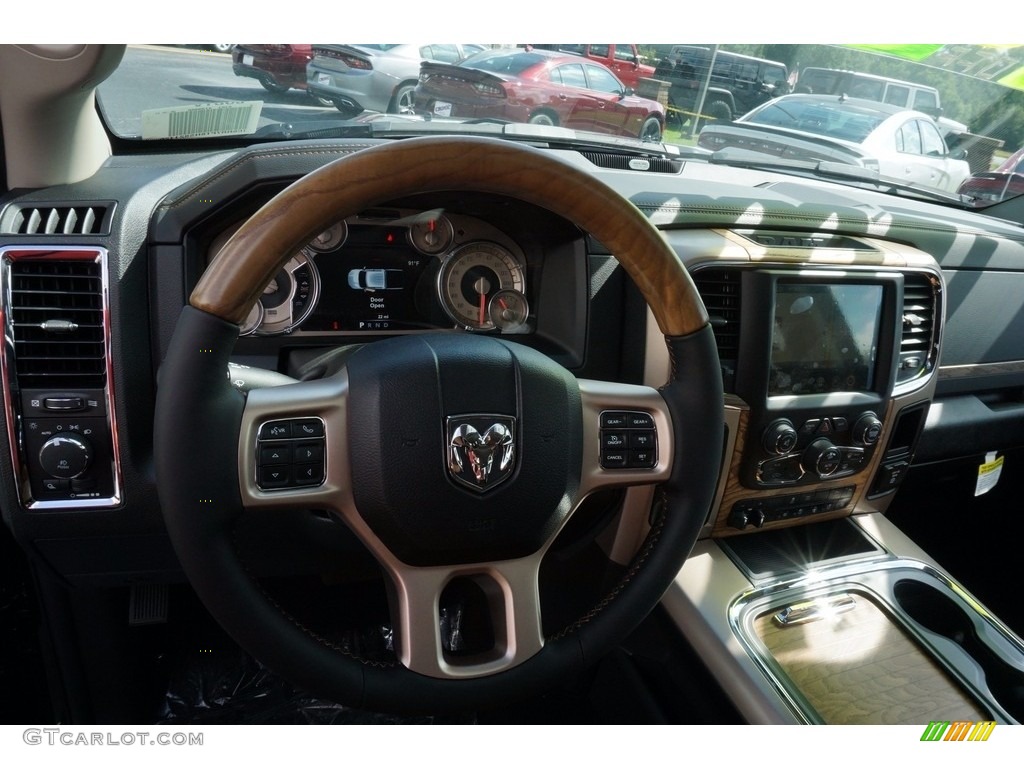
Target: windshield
x=945 y=119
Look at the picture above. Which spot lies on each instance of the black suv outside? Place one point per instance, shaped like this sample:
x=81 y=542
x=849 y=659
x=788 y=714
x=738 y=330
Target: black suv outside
x=737 y=84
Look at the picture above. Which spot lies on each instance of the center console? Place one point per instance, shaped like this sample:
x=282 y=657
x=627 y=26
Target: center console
x=827 y=373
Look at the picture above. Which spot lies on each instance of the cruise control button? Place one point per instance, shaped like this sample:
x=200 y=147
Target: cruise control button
x=641 y=439
x=642 y=459
x=613 y=459
x=615 y=440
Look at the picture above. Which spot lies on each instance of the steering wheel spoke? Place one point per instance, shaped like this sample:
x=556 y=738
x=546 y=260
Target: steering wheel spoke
x=292 y=446
x=628 y=436
x=508 y=606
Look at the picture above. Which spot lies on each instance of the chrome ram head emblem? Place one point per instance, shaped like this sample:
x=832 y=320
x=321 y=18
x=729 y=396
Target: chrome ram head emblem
x=481 y=449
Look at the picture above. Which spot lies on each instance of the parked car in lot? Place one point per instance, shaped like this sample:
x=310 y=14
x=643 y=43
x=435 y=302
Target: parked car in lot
x=278 y=68
x=736 y=83
x=623 y=59
x=902 y=145
x=537 y=86
x=1002 y=183
x=376 y=77
x=473 y=421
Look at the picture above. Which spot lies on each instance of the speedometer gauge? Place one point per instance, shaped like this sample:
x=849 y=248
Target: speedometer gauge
x=470 y=276
x=290 y=297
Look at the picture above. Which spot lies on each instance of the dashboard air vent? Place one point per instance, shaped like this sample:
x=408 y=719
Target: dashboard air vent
x=85 y=219
x=720 y=291
x=57 y=313
x=917 y=339
x=634 y=162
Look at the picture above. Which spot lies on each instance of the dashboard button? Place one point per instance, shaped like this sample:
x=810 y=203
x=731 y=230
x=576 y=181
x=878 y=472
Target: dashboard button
x=641 y=439
x=641 y=459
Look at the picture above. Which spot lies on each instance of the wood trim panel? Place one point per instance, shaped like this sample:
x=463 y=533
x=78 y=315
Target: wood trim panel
x=861 y=668
x=735 y=491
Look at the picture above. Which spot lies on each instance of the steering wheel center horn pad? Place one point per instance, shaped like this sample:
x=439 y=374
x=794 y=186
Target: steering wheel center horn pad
x=403 y=412
x=401 y=394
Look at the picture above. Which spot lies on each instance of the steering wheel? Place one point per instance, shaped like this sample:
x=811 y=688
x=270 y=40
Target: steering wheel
x=449 y=455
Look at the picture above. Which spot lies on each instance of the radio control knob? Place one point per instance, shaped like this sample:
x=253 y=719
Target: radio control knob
x=780 y=437
x=822 y=458
x=65 y=456
x=867 y=429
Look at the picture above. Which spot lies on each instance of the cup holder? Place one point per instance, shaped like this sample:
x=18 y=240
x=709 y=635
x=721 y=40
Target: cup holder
x=938 y=613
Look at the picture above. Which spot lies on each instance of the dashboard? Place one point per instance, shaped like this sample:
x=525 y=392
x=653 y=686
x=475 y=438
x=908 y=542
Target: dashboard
x=858 y=335
x=820 y=424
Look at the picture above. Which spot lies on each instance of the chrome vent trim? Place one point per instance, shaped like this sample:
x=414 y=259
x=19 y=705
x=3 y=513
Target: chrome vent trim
x=54 y=301
x=719 y=289
x=58 y=219
x=56 y=316
x=919 y=340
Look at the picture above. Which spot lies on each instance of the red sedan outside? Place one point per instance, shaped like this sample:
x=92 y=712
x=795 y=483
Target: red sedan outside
x=537 y=86
x=276 y=67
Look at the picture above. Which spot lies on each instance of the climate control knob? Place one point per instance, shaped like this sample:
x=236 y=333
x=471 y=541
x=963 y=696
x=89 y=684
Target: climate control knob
x=821 y=458
x=65 y=456
x=867 y=429
x=780 y=437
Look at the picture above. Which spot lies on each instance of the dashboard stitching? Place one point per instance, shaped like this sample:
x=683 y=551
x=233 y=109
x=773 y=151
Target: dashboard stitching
x=264 y=155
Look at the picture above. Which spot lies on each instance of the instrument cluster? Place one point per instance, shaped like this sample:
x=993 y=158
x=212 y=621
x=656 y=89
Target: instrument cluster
x=397 y=270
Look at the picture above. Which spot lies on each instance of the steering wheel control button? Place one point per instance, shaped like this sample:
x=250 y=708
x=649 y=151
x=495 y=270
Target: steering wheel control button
x=273 y=477
x=611 y=420
x=276 y=430
x=632 y=447
x=640 y=420
x=308 y=474
x=275 y=454
x=308 y=428
x=284 y=462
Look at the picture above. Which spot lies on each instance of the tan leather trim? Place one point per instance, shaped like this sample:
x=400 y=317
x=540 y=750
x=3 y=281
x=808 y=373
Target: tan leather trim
x=233 y=282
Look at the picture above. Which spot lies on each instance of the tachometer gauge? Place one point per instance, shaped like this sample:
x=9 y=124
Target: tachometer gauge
x=470 y=276
x=290 y=296
x=431 y=233
x=331 y=238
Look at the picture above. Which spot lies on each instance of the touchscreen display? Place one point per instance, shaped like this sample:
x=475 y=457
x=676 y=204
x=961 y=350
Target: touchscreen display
x=825 y=338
